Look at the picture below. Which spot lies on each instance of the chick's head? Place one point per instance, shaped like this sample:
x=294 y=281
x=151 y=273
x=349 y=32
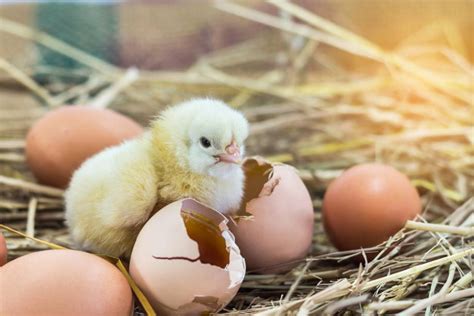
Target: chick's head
x=208 y=136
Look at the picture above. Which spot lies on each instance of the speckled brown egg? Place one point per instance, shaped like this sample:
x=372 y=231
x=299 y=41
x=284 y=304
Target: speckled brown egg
x=61 y=140
x=63 y=282
x=185 y=260
x=3 y=250
x=367 y=204
x=274 y=228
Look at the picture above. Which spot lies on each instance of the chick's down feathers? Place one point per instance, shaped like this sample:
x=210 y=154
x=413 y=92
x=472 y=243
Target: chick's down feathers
x=184 y=154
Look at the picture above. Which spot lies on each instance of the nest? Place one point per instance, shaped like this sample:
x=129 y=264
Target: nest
x=411 y=108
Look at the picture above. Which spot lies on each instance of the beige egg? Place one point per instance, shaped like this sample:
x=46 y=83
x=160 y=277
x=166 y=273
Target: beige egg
x=363 y=195
x=59 y=142
x=63 y=282
x=274 y=228
x=185 y=260
x=3 y=250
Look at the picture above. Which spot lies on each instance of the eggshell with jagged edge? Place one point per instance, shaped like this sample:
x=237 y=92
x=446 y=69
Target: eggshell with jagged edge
x=185 y=260
x=274 y=228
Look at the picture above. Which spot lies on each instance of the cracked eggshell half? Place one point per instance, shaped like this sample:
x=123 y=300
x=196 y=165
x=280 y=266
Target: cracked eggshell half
x=274 y=227
x=185 y=260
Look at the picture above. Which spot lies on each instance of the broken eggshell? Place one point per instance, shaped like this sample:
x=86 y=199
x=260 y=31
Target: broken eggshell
x=274 y=227
x=185 y=260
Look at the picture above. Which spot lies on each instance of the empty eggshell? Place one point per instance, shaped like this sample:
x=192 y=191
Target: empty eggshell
x=63 y=282
x=3 y=250
x=367 y=204
x=278 y=231
x=185 y=260
x=61 y=140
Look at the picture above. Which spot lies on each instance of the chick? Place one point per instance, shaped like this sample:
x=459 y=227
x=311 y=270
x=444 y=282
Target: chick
x=191 y=150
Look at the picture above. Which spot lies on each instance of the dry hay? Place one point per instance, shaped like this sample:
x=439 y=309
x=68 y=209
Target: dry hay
x=411 y=108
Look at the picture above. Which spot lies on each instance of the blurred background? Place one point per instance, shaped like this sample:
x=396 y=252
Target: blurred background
x=166 y=34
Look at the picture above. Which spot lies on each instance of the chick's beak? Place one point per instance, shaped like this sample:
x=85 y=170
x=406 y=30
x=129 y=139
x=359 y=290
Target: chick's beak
x=231 y=155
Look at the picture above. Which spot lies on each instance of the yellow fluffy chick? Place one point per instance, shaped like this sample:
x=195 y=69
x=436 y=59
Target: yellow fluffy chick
x=191 y=150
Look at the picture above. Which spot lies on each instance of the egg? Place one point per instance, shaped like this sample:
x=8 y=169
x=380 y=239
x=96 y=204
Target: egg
x=63 y=282
x=3 y=250
x=277 y=231
x=60 y=141
x=185 y=260
x=367 y=204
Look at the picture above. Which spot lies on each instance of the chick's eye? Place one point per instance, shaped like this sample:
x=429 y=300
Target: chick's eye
x=205 y=142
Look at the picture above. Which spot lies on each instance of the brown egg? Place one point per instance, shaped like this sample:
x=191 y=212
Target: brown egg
x=3 y=250
x=367 y=204
x=185 y=260
x=63 y=282
x=60 y=141
x=278 y=232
